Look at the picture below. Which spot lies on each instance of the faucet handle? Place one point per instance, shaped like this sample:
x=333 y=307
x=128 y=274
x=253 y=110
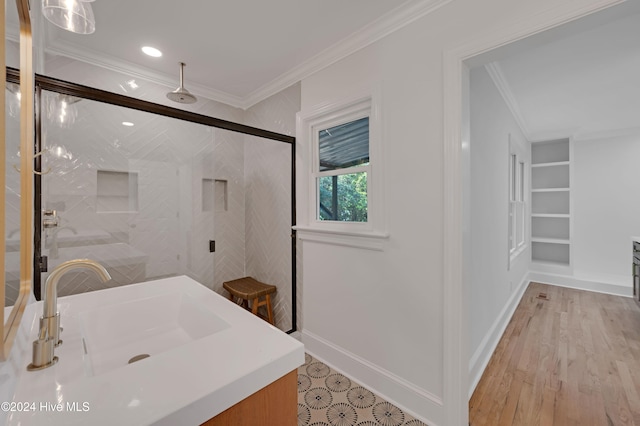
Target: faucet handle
x=52 y=325
x=42 y=354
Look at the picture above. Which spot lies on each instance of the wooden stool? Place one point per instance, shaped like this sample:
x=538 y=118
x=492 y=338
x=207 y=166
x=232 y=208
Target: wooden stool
x=247 y=289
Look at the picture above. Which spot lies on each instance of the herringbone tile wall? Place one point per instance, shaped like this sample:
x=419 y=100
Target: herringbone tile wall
x=167 y=232
x=268 y=198
x=229 y=260
x=164 y=224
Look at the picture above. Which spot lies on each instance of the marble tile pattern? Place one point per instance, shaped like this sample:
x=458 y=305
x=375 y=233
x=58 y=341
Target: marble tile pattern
x=328 y=398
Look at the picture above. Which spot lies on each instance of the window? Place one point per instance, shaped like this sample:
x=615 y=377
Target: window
x=341 y=199
x=517 y=204
x=341 y=172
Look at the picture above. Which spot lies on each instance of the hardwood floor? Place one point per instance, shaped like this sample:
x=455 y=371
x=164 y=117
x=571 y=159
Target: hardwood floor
x=571 y=360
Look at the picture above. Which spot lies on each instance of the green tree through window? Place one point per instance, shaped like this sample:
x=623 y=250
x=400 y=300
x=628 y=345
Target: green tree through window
x=344 y=197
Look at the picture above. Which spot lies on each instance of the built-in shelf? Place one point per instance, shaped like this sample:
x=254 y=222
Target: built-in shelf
x=550 y=177
x=550 y=252
x=551 y=263
x=550 y=202
x=550 y=240
x=553 y=164
x=550 y=190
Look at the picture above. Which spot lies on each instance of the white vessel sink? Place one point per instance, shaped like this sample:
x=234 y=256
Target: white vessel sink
x=206 y=354
x=116 y=334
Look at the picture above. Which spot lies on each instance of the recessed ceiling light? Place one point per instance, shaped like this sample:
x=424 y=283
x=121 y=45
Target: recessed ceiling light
x=127 y=123
x=151 y=51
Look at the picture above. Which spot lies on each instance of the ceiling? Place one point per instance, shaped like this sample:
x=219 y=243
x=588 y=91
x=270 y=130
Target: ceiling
x=581 y=81
x=581 y=78
x=235 y=50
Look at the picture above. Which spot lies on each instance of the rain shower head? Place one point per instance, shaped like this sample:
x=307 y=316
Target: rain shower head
x=182 y=95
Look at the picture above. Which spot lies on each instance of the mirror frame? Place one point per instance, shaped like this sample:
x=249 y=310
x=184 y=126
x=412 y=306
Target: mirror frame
x=9 y=329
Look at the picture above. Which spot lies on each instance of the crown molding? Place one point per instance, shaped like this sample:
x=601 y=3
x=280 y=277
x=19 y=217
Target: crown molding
x=394 y=20
x=607 y=134
x=551 y=135
x=499 y=79
x=383 y=26
x=577 y=134
x=72 y=51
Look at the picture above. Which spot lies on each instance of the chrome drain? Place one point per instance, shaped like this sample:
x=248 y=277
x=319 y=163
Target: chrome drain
x=138 y=358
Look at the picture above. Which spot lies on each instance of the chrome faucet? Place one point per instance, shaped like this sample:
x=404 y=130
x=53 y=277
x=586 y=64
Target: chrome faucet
x=49 y=334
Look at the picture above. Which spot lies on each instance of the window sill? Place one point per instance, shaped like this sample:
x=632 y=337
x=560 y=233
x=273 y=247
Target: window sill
x=365 y=240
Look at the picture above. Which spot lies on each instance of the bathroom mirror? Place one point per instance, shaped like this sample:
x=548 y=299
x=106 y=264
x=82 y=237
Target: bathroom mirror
x=25 y=169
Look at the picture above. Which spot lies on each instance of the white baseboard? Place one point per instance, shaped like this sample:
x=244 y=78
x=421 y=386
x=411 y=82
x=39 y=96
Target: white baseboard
x=482 y=355
x=416 y=401
x=581 y=284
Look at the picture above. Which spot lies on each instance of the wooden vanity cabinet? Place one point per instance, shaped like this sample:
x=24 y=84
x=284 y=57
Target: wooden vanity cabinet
x=273 y=405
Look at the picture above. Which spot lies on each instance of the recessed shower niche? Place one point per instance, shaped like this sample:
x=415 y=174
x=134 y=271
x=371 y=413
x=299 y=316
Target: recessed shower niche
x=116 y=191
x=214 y=195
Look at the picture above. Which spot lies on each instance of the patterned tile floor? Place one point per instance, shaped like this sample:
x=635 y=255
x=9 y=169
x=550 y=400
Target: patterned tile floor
x=328 y=398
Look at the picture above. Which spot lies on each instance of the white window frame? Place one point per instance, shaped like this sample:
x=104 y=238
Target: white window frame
x=309 y=123
x=517 y=211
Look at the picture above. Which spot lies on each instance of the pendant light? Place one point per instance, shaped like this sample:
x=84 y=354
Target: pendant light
x=71 y=15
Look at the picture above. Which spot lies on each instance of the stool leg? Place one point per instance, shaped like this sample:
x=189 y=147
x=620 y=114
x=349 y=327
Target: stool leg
x=269 y=310
x=254 y=306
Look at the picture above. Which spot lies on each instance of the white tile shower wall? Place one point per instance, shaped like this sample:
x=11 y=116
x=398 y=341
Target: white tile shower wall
x=229 y=259
x=154 y=229
x=268 y=198
x=105 y=144
x=228 y=164
x=170 y=158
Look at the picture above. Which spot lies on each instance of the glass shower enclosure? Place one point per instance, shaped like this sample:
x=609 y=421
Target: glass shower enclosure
x=135 y=197
x=151 y=196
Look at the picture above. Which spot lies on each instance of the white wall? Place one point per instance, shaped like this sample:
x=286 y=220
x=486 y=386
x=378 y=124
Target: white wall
x=380 y=315
x=494 y=286
x=606 y=208
x=385 y=308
